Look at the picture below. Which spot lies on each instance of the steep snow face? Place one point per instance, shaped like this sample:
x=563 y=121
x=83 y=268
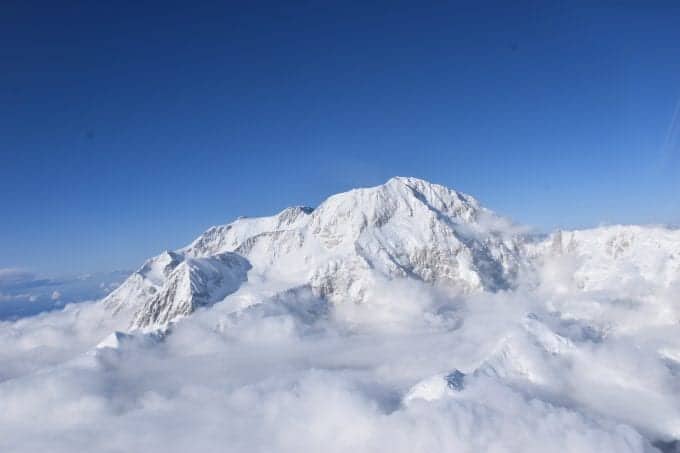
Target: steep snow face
x=194 y=283
x=143 y=284
x=406 y=228
x=411 y=228
x=171 y=286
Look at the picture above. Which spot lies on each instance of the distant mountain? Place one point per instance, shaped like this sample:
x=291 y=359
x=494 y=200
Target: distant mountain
x=25 y=294
x=615 y=257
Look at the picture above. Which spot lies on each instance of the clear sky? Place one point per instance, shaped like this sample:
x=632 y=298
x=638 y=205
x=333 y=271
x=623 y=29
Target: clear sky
x=126 y=129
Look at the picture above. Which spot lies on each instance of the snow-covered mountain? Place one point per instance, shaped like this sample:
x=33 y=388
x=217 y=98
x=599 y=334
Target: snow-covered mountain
x=406 y=228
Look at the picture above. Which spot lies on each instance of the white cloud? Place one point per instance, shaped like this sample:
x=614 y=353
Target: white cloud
x=544 y=368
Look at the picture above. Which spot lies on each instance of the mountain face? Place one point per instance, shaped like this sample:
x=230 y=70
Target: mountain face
x=406 y=228
x=172 y=285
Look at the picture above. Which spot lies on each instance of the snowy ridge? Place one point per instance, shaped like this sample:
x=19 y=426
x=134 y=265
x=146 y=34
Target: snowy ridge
x=171 y=286
x=193 y=283
x=229 y=237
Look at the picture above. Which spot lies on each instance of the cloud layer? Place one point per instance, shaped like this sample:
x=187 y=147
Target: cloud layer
x=589 y=371
x=24 y=293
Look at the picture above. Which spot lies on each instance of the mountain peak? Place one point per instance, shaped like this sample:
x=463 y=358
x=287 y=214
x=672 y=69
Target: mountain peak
x=407 y=180
x=399 y=197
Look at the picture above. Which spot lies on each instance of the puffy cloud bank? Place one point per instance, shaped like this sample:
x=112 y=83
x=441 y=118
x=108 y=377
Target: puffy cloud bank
x=418 y=369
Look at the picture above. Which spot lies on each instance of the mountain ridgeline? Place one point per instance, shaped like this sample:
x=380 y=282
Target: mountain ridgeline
x=406 y=228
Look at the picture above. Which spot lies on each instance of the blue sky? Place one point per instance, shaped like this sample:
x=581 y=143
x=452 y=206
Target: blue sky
x=129 y=128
